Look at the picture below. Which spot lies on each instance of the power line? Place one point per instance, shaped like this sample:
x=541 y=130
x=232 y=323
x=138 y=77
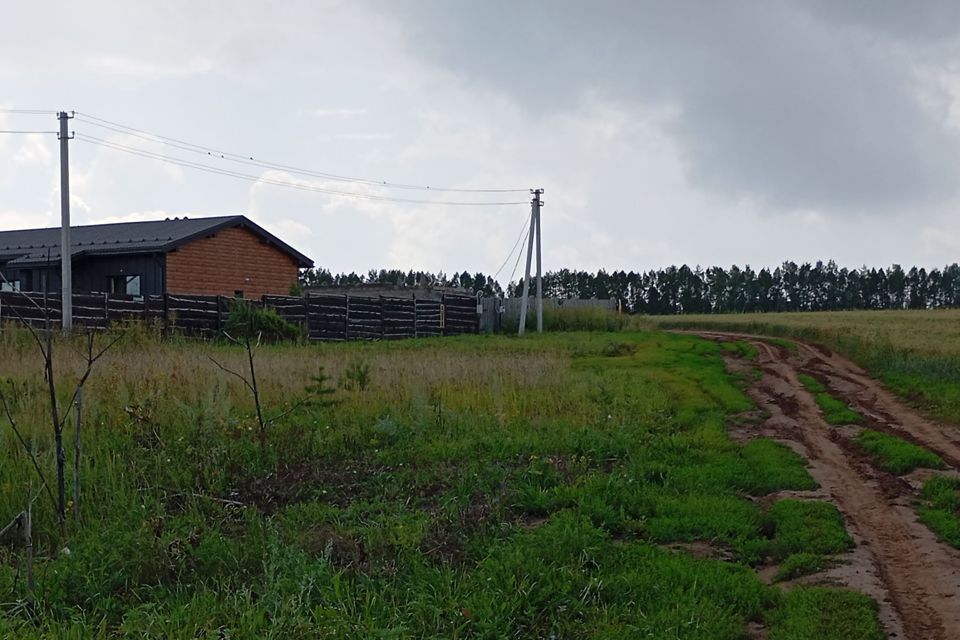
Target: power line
x=272 y=181
x=35 y=112
x=515 y=245
x=24 y=131
x=250 y=160
x=519 y=255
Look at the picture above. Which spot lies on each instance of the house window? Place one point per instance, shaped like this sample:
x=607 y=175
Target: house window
x=123 y=285
x=10 y=285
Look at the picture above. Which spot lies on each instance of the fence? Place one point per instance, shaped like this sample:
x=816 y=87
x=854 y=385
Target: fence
x=325 y=317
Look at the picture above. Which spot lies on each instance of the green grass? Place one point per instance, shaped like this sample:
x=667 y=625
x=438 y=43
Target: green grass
x=789 y=345
x=801 y=564
x=834 y=411
x=939 y=508
x=476 y=487
x=817 y=613
x=741 y=349
x=577 y=318
x=895 y=454
x=807 y=526
x=806 y=535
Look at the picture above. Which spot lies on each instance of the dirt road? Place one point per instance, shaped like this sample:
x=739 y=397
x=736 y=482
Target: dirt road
x=899 y=562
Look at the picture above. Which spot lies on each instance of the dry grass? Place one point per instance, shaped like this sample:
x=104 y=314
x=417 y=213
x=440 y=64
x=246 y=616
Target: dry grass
x=144 y=370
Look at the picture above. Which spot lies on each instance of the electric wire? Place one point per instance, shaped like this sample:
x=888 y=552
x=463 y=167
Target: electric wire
x=246 y=159
x=24 y=131
x=515 y=245
x=35 y=112
x=519 y=255
x=272 y=181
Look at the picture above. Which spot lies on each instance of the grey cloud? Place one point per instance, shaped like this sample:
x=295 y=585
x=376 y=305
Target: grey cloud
x=789 y=104
x=920 y=22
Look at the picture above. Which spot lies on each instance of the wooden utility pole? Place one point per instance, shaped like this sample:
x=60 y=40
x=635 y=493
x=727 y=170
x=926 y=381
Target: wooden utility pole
x=66 y=267
x=534 y=231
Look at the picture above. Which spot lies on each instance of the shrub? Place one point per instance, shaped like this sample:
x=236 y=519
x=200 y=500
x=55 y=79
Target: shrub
x=248 y=320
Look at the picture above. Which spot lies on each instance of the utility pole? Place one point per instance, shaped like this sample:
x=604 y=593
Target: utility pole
x=536 y=205
x=66 y=266
x=534 y=231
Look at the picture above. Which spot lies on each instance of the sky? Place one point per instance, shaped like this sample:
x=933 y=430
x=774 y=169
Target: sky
x=740 y=132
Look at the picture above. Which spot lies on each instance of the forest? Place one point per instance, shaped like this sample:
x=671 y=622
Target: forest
x=822 y=286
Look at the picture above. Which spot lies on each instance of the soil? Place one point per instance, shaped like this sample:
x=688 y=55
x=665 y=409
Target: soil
x=914 y=578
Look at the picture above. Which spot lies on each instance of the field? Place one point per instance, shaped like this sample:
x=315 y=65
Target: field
x=914 y=353
x=572 y=485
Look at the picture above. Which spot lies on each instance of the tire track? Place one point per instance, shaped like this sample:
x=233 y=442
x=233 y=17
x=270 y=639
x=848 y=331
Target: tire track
x=916 y=579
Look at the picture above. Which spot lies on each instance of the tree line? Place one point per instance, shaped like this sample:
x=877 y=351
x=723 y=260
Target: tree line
x=471 y=282
x=822 y=286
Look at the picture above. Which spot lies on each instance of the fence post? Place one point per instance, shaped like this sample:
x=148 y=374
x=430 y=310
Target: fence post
x=106 y=310
x=219 y=315
x=383 y=324
x=306 y=312
x=415 y=330
x=346 y=319
x=166 y=314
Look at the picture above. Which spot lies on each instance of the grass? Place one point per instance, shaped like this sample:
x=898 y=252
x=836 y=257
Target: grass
x=834 y=411
x=818 y=613
x=483 y=486
x=741 y=349
x=789 y=345
x=808 y=526
x=806 y=534
x=915 y=353
x=801 y=564
x=940 y=506
x=895 y=454
x=576 y=318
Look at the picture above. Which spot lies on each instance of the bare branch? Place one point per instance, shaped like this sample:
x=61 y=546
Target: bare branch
x=26 y=447
x=91 y=360
x=232 y=339
x=25 y=323
x=16 y=522
x=231 y=372
x=283 y=414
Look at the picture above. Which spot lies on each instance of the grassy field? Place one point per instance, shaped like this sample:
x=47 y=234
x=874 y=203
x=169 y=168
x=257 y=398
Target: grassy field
x=915 y=353
x=576 y=485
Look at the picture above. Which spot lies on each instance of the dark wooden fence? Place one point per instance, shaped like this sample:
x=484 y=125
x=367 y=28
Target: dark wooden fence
x=325 y=317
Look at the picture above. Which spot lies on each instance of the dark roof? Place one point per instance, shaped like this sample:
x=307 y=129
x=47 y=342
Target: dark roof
x=32 y=247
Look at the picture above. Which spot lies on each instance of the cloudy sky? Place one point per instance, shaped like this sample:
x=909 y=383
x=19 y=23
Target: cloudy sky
x=663 y=132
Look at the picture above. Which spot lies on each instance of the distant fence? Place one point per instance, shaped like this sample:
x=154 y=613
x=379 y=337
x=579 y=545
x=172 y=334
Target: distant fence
x=499 y=313
x=325 y=317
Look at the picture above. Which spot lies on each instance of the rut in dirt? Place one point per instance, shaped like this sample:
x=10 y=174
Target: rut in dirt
x=914 y=577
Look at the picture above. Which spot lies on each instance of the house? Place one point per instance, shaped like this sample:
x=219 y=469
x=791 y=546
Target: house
x=225 y=255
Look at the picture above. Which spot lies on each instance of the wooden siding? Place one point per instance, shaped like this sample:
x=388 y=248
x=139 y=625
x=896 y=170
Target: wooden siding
x=230 y=260
x=91 y=274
